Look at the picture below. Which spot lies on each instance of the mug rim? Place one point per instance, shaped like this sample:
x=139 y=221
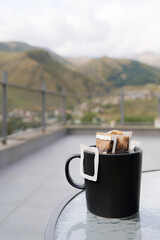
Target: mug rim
x=139 y=150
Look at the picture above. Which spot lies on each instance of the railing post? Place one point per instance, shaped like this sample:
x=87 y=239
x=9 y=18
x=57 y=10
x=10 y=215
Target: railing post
x=122 y=107
x=64 y=106
x=4 y=106
x=158 y=105
x=43 y=93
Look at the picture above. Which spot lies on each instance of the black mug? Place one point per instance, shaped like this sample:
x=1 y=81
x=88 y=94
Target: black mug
x=116 y=192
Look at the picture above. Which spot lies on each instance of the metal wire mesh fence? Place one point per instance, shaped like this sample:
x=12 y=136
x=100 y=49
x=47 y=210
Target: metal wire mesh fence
x=141 y=108
x=114 y=109
x=74 y=111
x=25 y=109
x=54 y=110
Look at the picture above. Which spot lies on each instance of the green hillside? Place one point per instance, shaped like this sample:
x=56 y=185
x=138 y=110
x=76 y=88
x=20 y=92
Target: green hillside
x=101 y=74
x=110 y=72
x=32 y=68
x=14 y=46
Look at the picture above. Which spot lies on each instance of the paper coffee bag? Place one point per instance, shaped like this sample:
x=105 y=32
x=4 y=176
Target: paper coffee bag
x=113 y=142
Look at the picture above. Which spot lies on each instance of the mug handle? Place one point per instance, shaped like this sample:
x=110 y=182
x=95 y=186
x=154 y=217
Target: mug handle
x=68 y=176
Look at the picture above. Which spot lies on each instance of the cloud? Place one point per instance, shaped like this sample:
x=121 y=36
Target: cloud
x=2 y=21
x=134 y=27
x=85 y=28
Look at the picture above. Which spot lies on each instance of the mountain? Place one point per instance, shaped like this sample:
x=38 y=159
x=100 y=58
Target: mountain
x=32 y=68
x=14 y=46
x=79 y=61
x=149 y=58
x=57 y=57
x=109 y=72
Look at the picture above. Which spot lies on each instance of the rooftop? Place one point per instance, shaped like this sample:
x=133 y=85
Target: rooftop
x=31 y=188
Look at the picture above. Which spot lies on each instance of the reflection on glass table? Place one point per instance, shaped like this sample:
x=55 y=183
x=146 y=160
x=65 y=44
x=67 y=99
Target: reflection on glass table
x=75 y=222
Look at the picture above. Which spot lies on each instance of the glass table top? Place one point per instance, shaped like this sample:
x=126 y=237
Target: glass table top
x=77 y=223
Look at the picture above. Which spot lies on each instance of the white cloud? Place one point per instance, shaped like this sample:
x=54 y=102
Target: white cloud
x=134 y=28
x=84 y=28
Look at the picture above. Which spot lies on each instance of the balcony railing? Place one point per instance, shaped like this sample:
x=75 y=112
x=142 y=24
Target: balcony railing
x=24 y=108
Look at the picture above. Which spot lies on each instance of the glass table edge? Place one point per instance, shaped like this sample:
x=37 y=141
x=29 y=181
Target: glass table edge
x=50 y=230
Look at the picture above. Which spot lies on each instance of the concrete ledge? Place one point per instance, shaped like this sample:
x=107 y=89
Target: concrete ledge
x=137 y=130
x=14 y=150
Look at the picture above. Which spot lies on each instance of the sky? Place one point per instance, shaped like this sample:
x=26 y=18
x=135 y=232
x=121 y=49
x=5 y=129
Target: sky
x=86 y=28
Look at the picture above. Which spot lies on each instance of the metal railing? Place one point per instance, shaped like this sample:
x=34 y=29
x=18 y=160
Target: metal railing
x=24 y=107
x=35 y=115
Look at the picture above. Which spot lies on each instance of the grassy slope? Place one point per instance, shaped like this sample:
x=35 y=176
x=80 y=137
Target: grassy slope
x=112 y=72
x=139 y=110
x=34 y=67
x=14 y=46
